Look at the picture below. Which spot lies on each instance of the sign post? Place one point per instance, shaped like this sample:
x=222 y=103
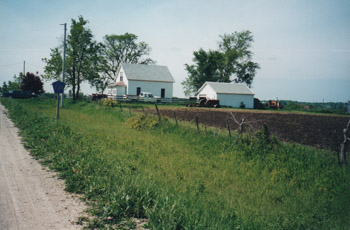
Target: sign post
x=58 y=88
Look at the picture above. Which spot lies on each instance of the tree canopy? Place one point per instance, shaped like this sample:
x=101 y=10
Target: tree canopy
x=82 y=55
x=232 y=62
x=97 y=63
x=12 y=85
x=119 y=49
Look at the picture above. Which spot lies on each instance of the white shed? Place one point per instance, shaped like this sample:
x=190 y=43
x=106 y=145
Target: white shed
x=229 y=94
x=132 y=79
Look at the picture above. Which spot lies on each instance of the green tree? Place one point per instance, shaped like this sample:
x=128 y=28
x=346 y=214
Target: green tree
x=238 y=57
x=232 y=62
x=4 y=88
x=82 y=55
x=53 y=68
x=206 y=68
x=119 y=49
x=16 y=83
x=32 y=83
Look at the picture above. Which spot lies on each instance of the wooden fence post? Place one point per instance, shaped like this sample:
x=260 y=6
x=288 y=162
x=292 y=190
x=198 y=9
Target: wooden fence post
x=241 y=127
x=143 y=109
x=120 y=105
x=175 y=118
x=240 y=124
x=155 y=104
x=343 y=145
x=197 y=124
x=228 y=127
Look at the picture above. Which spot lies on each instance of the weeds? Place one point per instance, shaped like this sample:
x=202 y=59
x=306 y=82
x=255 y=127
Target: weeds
x=177 y=179
x=107 y=102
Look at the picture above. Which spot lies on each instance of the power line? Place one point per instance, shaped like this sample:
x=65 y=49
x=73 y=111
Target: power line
x=73 y=11
x=33 y=64
x=124 y=13
x=11 y=64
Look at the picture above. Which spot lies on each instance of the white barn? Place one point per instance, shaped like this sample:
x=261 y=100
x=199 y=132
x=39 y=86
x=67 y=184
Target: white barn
x=229 y=94
x=132 y=79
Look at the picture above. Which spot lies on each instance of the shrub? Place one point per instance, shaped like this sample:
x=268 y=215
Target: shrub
x=109 y=102
x=242 y=105
x=264 y=140
x=141 y=122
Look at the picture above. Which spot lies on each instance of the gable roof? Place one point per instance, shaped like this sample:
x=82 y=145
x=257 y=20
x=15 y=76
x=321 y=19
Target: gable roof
x=228 y=88
x=119 y=83
x=140 y=72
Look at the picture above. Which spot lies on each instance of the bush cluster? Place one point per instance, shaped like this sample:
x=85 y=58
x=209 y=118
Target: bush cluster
x=109 y=102
x=141 y=122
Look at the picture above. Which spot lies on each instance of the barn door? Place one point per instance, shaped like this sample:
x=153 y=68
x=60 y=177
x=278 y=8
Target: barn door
x=138 y=91
x=162 y=93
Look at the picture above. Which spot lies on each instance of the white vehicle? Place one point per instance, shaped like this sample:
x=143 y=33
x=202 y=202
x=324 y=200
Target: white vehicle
x=147 y=97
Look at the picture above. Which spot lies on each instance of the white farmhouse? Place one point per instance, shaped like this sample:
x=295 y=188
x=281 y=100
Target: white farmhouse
x=229 y=94
x=132 y=79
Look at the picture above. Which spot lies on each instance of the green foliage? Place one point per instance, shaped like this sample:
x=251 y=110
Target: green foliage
x=329 y=107
x=97 y=63
x=12 y=85
x=205 y=69
x=82 y=55
x=4 y=88
x=119 y=49
x=109 y=102
x=238 y=57
x=142 y=121
x=178 y=179
x=232 y=59
x=53 y=67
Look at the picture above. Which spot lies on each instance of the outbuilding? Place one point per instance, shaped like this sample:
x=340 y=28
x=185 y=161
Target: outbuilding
x=229 y=94
x=132 y=79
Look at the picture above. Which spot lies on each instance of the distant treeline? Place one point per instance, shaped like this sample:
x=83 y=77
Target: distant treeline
x=317 y=107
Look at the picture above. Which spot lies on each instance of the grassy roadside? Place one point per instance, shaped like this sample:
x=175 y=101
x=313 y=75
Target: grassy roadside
x=178 y=179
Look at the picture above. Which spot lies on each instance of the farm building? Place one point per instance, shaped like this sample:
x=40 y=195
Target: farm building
x=132 y=79
x=229 y=94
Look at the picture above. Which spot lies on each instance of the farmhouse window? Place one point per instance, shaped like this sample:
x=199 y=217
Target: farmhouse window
x=138 y=91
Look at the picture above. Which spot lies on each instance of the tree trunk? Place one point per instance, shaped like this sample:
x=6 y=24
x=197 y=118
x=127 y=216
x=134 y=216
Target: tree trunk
x=342 y=154
x=73 y=84
x=78 y=90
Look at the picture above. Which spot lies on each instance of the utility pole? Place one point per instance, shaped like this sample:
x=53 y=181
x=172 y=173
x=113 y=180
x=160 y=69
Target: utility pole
x=64 y=59
x=24 y=68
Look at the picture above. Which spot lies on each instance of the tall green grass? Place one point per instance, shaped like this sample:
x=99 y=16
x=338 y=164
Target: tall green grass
x=178 y=179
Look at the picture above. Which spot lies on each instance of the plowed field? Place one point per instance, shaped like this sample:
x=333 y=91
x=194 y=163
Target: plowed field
x=309 y=129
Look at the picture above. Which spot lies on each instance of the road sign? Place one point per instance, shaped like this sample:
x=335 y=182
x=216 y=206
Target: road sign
x=58 y=86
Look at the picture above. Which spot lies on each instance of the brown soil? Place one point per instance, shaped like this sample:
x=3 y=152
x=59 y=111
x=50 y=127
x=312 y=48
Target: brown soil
x=309 y=129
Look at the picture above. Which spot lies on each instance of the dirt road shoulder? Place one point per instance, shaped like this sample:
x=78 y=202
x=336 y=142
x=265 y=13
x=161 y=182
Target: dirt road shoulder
x=31 y=197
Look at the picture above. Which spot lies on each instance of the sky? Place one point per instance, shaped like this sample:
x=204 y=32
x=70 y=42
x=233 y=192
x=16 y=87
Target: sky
x=302 y=46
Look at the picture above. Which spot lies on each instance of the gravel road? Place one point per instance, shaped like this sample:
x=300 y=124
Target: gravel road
x=31 y=197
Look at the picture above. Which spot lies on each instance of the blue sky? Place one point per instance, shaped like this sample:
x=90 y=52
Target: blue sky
x=303 y=47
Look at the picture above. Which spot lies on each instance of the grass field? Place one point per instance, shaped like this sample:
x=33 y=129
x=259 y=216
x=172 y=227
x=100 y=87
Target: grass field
x=135 y=166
